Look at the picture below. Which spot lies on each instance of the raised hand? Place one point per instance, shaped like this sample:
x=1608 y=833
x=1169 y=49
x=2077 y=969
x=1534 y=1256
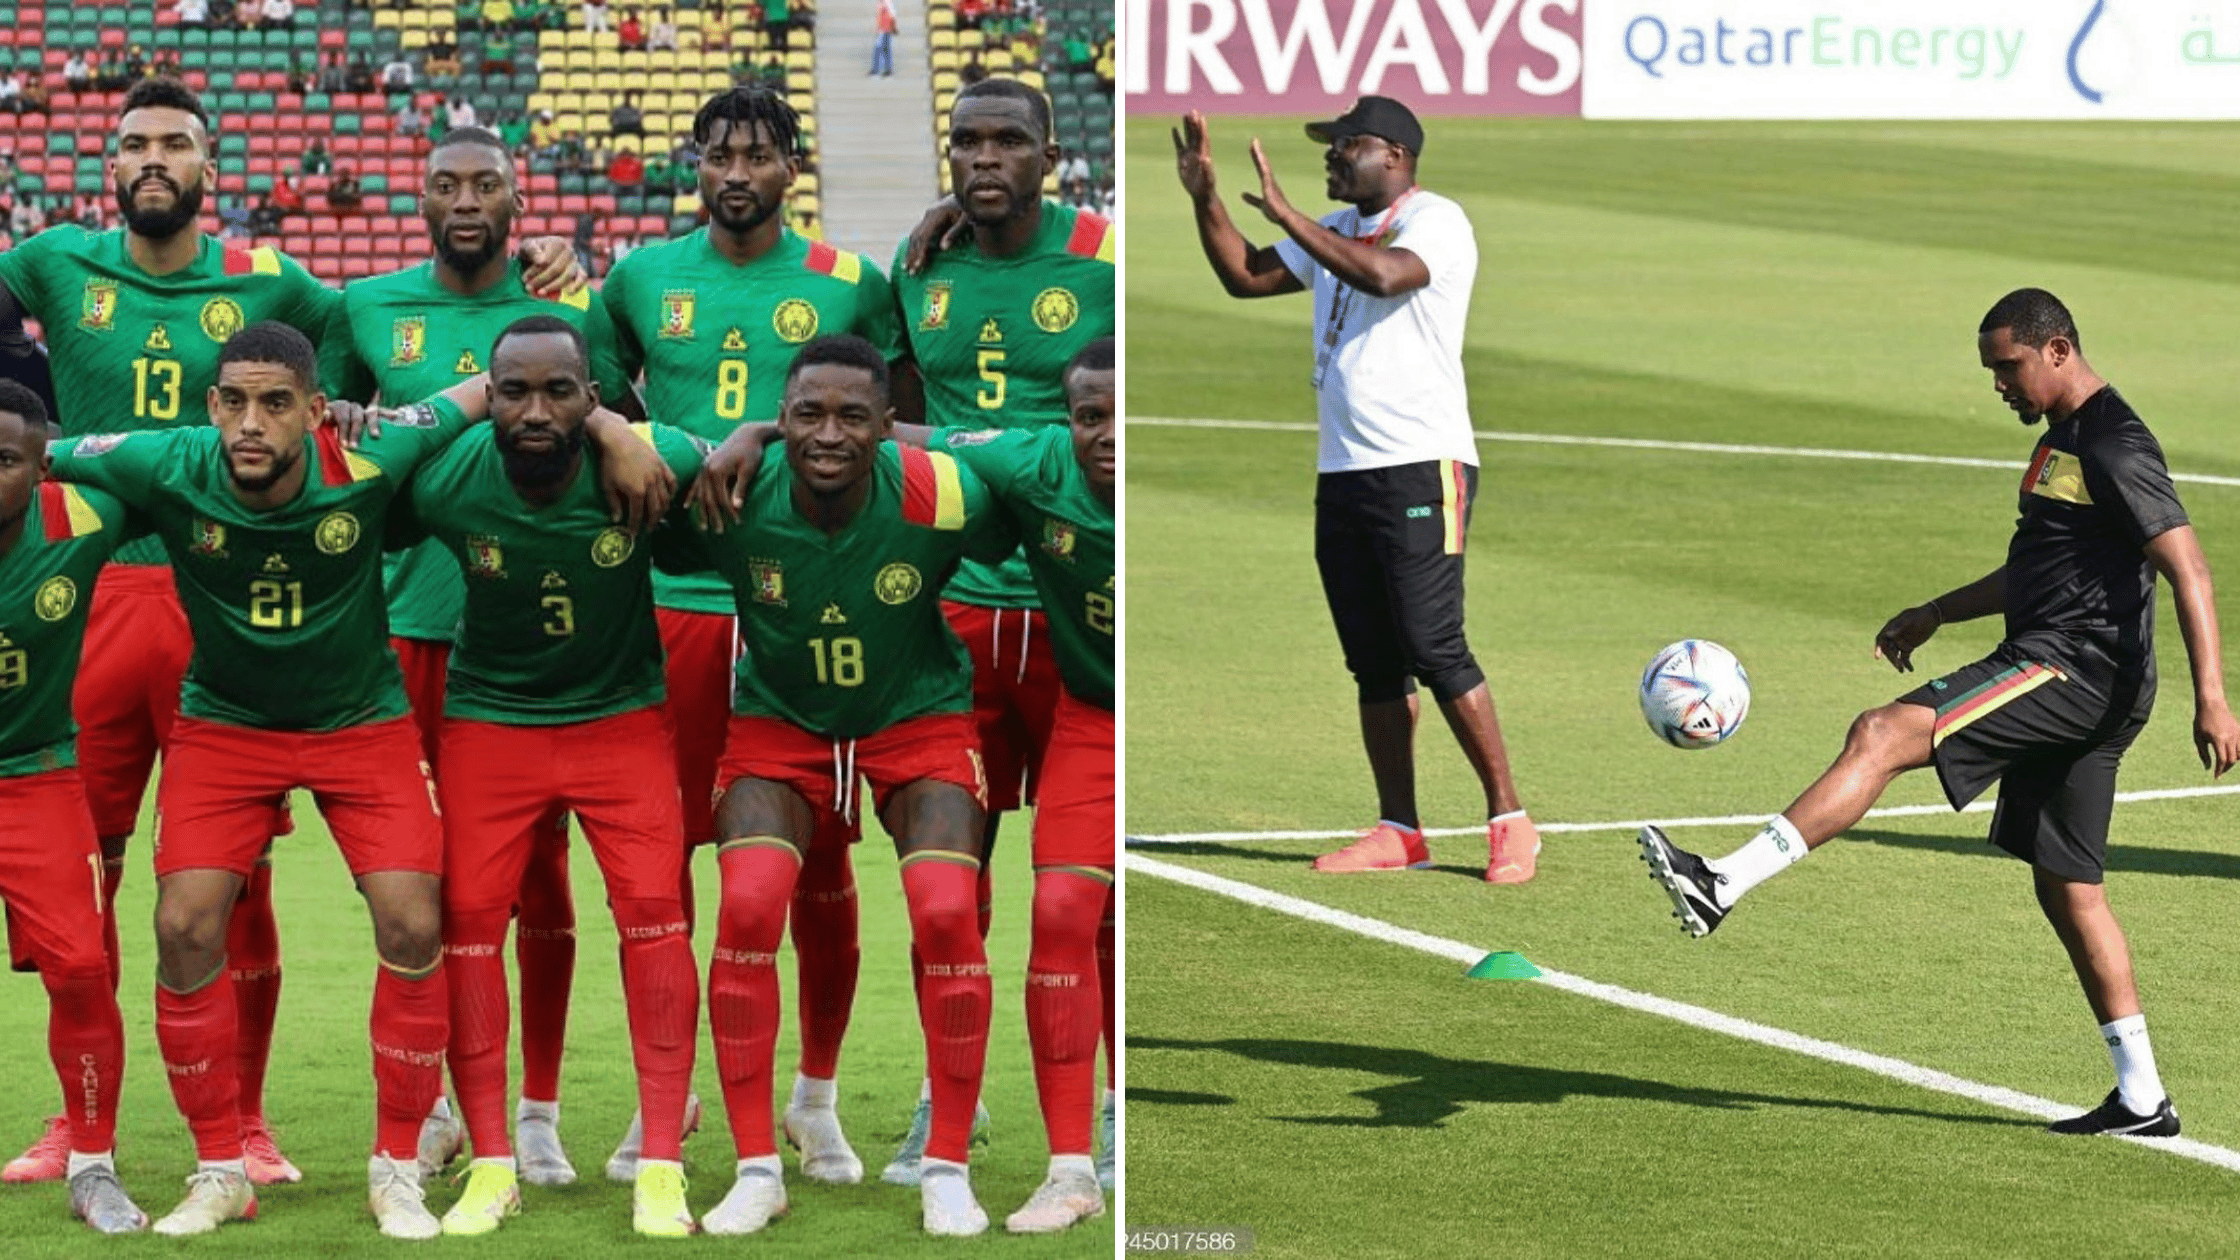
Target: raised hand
x=1193 y=156
x=1271 y=201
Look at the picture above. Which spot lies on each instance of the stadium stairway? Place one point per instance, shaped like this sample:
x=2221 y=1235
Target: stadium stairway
x=878 y=178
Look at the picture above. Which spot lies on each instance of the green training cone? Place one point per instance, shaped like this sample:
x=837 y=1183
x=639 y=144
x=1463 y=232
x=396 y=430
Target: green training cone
x=1504 y=964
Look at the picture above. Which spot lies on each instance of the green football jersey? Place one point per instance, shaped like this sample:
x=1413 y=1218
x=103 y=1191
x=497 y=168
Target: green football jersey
x=405 y=337
x=290 y=631
x=131 y=351
x=992 y=337
x=559 y=600
x=46 y=591
x=844 y=634
x=1067 y=535
x=715 y=339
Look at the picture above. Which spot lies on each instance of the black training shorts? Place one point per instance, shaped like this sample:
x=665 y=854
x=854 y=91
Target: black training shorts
x=1389 y=544
x=2051 y=737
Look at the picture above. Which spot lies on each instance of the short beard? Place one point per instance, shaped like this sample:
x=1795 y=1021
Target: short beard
x=494 y=244
x=1014 y=208
x=282 y=465
x=539 y=470
x=161 y=225
x=762 y=214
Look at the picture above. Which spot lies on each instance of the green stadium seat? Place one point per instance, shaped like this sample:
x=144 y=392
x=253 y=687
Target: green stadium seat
x=61 y=142
x=169 y=37
x=682 y=224
x=318 y=103
x=260 y=184
x=195 y=42
x=347 y=124
x=230 y=102
x=91 y=182
x=375 y=183
x=262 y=103
x=233 y=144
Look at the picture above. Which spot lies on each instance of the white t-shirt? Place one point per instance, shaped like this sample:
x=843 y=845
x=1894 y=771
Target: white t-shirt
x=1392 y=391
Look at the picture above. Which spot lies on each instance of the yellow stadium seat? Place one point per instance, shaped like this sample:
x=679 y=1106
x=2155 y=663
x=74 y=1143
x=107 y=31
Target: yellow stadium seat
x=806 y=203
x=939 y=38
x=608 y=59
x=806 y=183
x=548 y=41
x=600 y=103
x=416 y=17
x=606 y=41
x=972 y=39
x=945 y=81
x=542 y=100
x=1032 y=78
x=575 y=37
x=662 y=81
x=413 y=37
x=688 y=202
x=945 y=59
x=387 y=17
x=629 y=144
x=998 y=61
x=1050 y=185
x=568 y=122
x=944 y=100
x=801 y=60
x=801 y=80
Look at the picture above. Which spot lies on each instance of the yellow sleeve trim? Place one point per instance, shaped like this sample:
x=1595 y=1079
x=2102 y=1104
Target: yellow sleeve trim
x=948 y=492
x=264 y=260
x=84 y=520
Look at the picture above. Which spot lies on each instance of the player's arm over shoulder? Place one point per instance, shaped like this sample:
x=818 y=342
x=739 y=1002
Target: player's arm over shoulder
x=72 y=511
x=998 y=457
x=414 y=434
x=127 y=465
x=683 y=452
x=989 y=535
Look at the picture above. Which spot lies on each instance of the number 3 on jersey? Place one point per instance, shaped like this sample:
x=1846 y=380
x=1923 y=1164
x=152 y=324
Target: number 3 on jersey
x=731 y=389
x=155 y=389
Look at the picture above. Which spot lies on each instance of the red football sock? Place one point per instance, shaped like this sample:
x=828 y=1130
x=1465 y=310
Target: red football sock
x=253 y=956
x=544 y=944
x=826 y=947
x=475 y=981
x=112 y=878
x=954 y=994
x=663 y=992
x=1108 y=979
x=1063 y=1010
x=411 y=1021
x=195 y=1032
x=743 y=999
x=85 y=1038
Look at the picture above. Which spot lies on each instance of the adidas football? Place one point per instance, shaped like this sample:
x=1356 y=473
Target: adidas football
x=1695 y=694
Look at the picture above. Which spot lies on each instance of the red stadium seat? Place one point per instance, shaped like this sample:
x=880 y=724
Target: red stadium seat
x=357 y=243
x=325 y=226
x=574 y=203
x=298 y=247
x=112 y=38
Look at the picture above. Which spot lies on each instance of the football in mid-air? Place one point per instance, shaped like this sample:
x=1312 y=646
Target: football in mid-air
x=1695 y=694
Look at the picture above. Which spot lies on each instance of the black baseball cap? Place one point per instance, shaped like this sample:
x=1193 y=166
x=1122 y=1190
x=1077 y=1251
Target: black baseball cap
x=1378 y=116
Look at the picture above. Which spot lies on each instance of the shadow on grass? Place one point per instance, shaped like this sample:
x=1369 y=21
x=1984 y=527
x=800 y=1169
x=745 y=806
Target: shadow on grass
x=1434 y=1087
x=2133 y=858
x=1177 y=1097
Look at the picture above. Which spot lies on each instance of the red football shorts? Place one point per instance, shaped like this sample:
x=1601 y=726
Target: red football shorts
x=616 y=774
x=424 y=662
x=127 y=693
x=701 y=649
x=1076 y=820
x=221 y=784
x=50 y=871
x=1015 y=691
x=825 y=771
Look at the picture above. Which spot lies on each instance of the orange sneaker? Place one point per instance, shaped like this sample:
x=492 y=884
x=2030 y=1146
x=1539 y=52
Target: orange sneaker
x=1384 y=847
x=1513 y=848
x=47 y=1159
x=261 y=1156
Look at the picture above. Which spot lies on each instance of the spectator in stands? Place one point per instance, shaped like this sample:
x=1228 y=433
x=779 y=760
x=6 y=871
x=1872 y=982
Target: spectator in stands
x=619 y=250
x=135 y=65
x=344 y=195
x=627 y=119
x=972 y=71
x=535 y=15
x=396 y=77
x=301 y=74
x=1026 y=47
x=443 y=59
x=497 y=15
x=1105 y=66
x=91 y=213
x=777 y=21
x=248 y=13
x=971 y=14
x=663 y=36
x=35 y=94
x=194 y=14
x=233 y=219
x=1073 y=169
x=1108 y=199
x=544 y=138
x=632 y=35
x=11 y=92
x=468 y=15
x=26 y=219
x=333 y=76
x=280 y=14
x=882 y=40
x=595 y=15
x=410 y=121
x=266 y=218
x=76 y=74
x=110 y=74
x=359 y=78
x=715 y=25
x=661 y=176
x=460 y=113
x=287 y=197
x=586 y=228
x=316 y=159
x=513 y=128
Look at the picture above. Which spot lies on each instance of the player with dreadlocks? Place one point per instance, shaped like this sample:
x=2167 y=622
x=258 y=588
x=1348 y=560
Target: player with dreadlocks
x=714 y=319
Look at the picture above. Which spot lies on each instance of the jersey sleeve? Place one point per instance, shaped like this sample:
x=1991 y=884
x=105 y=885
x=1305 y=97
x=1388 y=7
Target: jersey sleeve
x=1440 y=235
x=999 y=457
x=681 y=451
x=312 y=308
x=1298 y=261
x=25 y=269
x=343 y=374
x=629 y=352
x=606 y=353
x=2127 y=475
x=882 y=320
x=126 y=465
x=118 y=524
x=989 y=535
x=414 y=437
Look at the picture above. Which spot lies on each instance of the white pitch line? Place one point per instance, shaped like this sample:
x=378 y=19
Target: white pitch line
x=1656 y=444
x=1648 y=1003
x=1636 y=824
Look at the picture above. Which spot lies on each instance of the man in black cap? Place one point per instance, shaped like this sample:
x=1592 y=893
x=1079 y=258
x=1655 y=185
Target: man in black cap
x=1391 y=279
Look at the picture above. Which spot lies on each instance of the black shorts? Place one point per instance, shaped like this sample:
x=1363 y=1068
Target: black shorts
x=1389 y=544
x=2051 y=737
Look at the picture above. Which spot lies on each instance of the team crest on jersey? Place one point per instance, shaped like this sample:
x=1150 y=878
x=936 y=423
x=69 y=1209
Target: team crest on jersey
x=1058 y=538
x=97 y=310
x=676 y=314
x=57 y=596
x=898 y=583
x=221 y=319
x=1056 y=309
x=795 y=320
x=337 y=533
x=936 y=314
x=99 y=444
x=159 y=340
x=991 y=333
x=485 y=558
x=209 y=540
x=408 y=341
x=769 y=579
x=611 y=547
x=733 y=339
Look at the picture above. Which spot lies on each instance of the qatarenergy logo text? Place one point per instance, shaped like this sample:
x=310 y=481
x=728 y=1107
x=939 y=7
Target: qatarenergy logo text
x=1663 y=48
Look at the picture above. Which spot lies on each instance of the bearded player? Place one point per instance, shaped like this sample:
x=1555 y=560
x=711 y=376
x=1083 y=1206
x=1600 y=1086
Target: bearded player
x=274 y=530
x=405 y=336
x=714 y=319
x=992 y=323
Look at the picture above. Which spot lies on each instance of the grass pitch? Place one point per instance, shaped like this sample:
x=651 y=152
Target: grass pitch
x=1781 y=285
x=320 y=1095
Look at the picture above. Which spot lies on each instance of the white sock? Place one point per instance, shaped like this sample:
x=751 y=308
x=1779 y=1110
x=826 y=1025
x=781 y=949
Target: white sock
x=925 y=1089
x=1768 y=854
x=442 y=1109
x=80 y=1161
x=234 y=1166
x=1073 y=1166
x=2138 y=1085
x=765 y=1163
x=503 y=1161
x=538 y=1109
x=815 y=1091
